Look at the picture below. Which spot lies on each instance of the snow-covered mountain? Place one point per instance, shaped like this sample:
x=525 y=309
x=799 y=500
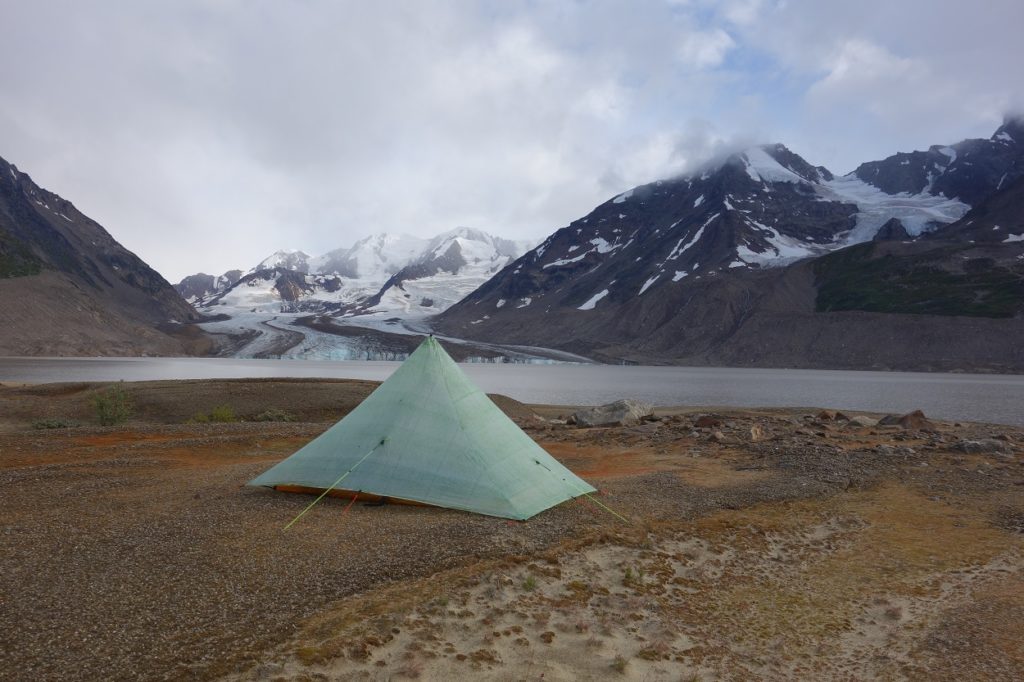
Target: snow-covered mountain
x=678 y=267
x=763 y=207
x=284 y=260
x=381 y=275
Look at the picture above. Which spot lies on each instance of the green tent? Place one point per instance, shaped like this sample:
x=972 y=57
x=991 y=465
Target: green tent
x=428 y=435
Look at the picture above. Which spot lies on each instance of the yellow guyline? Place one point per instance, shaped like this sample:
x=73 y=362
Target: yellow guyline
x=340 y=479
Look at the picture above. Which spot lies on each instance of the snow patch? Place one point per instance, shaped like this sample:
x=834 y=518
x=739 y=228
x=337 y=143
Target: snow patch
x=1014 y=238
x=525 y=301
x=761 y=167
x=500 y=303
x=699 y=201
x=589 y=305
x=564 y=261
x=648 y=283
x=679 y=275
x=622 y=197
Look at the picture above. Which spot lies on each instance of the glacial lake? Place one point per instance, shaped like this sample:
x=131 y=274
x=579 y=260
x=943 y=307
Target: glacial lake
x=994 y=398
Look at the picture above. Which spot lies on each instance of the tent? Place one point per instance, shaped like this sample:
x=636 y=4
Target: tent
x=428 y=435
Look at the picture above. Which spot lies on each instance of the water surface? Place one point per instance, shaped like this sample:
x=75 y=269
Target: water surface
x=996 y=398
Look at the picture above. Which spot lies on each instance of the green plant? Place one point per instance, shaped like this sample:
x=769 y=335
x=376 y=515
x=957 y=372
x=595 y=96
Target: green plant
x=223 y=413
x=113 y=406
x=530 y=584
x=54 y=423
x=220 y=414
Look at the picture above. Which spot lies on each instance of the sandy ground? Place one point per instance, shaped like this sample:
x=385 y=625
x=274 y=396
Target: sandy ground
x=771 y=544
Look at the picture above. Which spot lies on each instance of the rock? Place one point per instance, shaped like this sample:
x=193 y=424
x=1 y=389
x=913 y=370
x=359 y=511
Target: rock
x=913 y=421
x=826 y=415
x=840 y=417
x=706 y=421
x=863 y=421
x=757 y=433
x=718 y=437
x=620 y=413
x=984 y=445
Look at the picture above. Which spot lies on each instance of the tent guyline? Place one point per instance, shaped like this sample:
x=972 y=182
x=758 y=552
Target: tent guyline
x=333 y=485
x=448 y=446
x=588 y=496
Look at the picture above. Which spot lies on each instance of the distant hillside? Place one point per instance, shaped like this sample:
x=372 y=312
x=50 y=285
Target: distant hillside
x=67 y=287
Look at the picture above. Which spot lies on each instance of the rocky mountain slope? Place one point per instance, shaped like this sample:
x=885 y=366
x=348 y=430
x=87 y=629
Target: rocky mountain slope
x=67 y=287
x=764 y=259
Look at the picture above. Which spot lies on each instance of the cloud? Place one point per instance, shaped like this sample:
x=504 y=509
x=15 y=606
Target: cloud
x=206 y=134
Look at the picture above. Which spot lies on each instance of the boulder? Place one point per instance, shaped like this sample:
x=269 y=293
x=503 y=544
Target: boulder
x=985 y=445
x=912 y=421
x=706 y=421
x=620 y=413
x=757 y=433
x=861 y=420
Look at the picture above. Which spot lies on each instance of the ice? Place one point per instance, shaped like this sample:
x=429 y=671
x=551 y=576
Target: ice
x=525 y=301
x=648 y=283
x=1014 y=238
x=621 y=216
x=699 y=201
x=622 y=197
x=737 y=264
x=500 y=303
x=679 y=275
x=589 y=305
x=918 y=212
x=602 y=246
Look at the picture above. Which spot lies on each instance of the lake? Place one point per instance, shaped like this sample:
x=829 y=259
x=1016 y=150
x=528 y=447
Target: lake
x=996 y=398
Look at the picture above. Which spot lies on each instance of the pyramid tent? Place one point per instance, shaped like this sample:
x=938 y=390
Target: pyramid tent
x=428 y=435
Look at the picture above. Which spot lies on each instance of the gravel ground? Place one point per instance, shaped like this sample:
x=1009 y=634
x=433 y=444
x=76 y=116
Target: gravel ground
x=135 y=553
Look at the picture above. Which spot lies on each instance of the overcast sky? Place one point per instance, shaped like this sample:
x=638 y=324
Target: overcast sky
x=206 y=134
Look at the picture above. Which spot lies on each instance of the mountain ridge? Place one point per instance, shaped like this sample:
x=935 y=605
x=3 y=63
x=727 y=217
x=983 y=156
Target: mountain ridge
x=67 y=287
x=737 y=246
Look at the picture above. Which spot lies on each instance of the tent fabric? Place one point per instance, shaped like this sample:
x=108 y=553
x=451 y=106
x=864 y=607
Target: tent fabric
x=427 y=434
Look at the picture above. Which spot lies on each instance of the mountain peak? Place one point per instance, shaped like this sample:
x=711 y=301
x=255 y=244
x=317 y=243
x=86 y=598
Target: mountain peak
x=1012 y=130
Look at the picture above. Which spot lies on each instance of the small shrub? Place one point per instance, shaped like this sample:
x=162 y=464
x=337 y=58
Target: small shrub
x=113 y=406
x=54 y=423
x=530 y=584
x=274 y=415
x=619 y=664
x=223 y=413
x=220 y=414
